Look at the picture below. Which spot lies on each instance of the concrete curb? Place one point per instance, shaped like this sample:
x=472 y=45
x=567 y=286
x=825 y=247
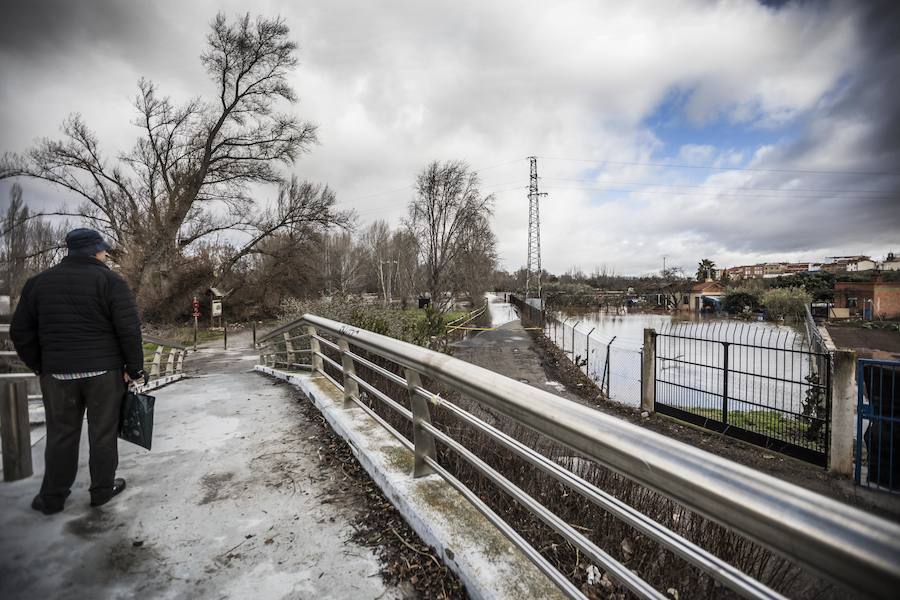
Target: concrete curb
x=487 y=563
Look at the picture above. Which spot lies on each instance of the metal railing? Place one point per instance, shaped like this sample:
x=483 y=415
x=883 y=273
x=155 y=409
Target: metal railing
x=837 y=541
x=20 y=388
x=878 y=440
x=166 y=365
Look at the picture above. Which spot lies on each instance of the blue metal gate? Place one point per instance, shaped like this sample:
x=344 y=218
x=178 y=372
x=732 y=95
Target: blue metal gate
x=878 y=424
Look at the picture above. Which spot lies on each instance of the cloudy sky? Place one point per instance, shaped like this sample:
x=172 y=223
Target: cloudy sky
x=736 y=130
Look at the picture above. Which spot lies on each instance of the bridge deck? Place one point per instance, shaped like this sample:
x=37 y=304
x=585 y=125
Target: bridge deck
x=227 y=505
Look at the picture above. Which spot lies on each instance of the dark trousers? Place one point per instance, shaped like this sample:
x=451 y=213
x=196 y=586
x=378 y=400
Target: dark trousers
x=64 y=405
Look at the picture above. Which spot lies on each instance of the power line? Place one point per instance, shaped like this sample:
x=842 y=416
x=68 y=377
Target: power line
x=485 y=188
x=714 y=195
x=717 y=168
x=708 y=187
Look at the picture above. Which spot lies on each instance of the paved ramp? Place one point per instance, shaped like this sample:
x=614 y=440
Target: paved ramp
x=508 y=350
x=227 y=505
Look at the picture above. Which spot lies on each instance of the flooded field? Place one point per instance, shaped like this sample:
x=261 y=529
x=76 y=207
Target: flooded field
x=766 y=365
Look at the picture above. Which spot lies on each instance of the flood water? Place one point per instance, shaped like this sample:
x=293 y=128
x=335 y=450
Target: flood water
x=501 y=312
x=766 y=364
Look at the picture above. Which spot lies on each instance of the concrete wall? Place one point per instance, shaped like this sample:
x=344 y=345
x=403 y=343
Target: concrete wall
x=887 y=300
x=843 y=413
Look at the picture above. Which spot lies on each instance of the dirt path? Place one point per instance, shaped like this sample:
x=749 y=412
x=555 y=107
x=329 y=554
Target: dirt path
x=509 y=351
x=528 y=356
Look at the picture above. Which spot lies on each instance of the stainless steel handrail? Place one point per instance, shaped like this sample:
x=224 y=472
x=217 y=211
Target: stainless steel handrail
x=840 y=542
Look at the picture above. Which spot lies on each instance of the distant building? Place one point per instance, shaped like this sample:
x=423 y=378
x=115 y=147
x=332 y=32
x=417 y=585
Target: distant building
x=867 y=299
x=841 y=264
x=835 y=264
x=891 y=263
x=794 y=268
x=706 y=294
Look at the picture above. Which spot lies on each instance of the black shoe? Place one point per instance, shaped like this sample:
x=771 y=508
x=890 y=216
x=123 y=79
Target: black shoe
x=98 y=499
x=48 y=506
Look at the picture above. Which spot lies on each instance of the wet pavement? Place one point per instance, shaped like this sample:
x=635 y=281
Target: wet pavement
x=228 y=504
x=508 y=350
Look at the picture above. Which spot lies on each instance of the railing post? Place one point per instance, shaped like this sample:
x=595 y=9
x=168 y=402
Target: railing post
x=157 y=361
x=289 y=349
x=725 y=346
x=180 y=366
x=843 y=418
x=573 y=340
x=170 y=362
x=648 y=371
x=351 y=387
x=587 y=352
x=607 y=375
x=424 y=441
x=15 y=431
x=315 y=348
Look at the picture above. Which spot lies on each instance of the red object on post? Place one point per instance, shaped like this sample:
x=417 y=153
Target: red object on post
x=195 y=305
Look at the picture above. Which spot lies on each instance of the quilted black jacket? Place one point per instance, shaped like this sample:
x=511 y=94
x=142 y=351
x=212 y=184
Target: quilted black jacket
x=78 y=316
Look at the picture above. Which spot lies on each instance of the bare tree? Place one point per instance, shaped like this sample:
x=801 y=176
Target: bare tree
x=377 y=241
x=447 y=207
x=188 y=176
x=474 y=267
x=29 y=244
x=405 y=279
x=346 y=262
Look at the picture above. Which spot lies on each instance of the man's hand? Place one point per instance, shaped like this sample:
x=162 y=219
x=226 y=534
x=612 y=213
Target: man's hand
x=127 y=378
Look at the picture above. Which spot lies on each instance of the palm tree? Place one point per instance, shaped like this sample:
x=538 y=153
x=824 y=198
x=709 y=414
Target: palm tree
x=706 y=269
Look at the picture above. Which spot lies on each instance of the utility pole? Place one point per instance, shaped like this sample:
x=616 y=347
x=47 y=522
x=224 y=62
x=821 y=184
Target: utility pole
x=533 y=277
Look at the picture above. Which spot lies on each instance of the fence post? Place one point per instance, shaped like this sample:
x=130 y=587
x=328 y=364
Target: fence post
x=254 y=332
x=424 y=441
x=15 y=431
x=843 y=409
x=314 y=349
x=648 y=371
x=170 y=362
x=351 y=387
x=573 y=342
x=587 y=352
x=289 y=349
x=157 y=360
x=725 y=346
x=180 y=367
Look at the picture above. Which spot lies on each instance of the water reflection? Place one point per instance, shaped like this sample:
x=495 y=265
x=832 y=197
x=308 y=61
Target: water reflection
x=501 y=312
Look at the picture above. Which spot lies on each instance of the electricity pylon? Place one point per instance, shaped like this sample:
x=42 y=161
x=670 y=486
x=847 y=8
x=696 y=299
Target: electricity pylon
x=533 y=277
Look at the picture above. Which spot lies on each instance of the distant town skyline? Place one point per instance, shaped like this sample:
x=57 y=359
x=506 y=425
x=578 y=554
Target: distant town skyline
x=744 y=132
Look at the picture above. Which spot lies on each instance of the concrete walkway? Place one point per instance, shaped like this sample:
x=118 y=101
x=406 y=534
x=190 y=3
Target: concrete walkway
x=508 y=350
x=231 y=503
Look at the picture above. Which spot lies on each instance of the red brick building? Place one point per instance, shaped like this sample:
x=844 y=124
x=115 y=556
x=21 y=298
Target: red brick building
x=869 y=299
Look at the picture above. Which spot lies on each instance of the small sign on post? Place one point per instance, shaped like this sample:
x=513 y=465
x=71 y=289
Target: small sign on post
x=217 y=308
x=195 y=307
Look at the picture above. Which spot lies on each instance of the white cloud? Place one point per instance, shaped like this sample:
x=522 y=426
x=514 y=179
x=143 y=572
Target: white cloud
x=394 y=86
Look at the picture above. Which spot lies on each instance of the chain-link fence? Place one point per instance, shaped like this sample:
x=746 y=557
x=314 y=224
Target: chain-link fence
x=613 y=363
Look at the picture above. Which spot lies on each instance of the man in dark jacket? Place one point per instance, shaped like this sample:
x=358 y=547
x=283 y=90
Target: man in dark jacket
x=77 y=326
